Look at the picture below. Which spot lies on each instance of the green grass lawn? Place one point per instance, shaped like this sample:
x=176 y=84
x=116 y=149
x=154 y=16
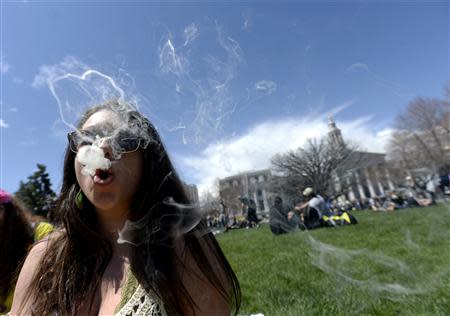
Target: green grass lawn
x=389 y=264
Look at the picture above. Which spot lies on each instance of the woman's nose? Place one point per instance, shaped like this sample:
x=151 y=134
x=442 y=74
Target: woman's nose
x=105 y=145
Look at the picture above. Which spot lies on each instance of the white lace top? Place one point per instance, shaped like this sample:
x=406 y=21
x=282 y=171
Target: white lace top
x=142 y=303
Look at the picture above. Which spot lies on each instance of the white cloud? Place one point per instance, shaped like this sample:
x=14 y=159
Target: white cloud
x=13 y=109
x=266 y=86
x=17 y=80
x=357 y=67
x=28 y=143
x=254 y=149
x=3 y=124
x=4 y=66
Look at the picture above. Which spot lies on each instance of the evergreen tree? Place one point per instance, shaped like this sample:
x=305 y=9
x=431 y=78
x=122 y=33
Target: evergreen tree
x=36 y=193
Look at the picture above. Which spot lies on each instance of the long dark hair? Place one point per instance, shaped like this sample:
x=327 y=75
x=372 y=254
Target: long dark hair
x=75 y=260
x=16 y=237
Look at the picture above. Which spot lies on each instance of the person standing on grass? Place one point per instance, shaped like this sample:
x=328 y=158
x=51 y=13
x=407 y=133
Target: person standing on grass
x=252 y=217
x=278 y=217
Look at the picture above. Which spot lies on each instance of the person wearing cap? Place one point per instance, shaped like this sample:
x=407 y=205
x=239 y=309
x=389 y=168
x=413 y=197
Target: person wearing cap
x=311 y=211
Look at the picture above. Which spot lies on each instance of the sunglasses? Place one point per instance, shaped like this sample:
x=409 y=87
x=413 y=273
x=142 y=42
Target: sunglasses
x=122 y=142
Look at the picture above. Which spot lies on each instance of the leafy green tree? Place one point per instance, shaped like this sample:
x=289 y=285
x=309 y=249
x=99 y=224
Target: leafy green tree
x=36 y=193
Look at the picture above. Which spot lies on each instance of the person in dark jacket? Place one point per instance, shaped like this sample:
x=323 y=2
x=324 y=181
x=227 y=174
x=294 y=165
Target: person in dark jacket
x=252 y=217
x=278 y=220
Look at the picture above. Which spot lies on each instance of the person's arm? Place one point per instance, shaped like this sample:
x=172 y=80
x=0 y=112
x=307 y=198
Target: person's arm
x=301 y=206
x=20 y=302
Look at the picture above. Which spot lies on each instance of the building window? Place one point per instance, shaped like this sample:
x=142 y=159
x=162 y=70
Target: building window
x=259 y=192
x=261 y=178
x=235 y=183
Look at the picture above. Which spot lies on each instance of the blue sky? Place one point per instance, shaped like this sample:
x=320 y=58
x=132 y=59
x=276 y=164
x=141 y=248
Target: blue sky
x=227 y=84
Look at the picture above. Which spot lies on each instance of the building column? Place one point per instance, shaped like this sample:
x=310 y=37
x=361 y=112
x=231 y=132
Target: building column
x=369 y=183
x=255 y=198
x=380 y=186
x=362 y=195
x=266 y=202
x=351 y=194
x=337 y=184
x=244 y=180
x=389 y=181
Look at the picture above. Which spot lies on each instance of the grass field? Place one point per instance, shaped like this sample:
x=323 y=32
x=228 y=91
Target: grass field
x=389 y=264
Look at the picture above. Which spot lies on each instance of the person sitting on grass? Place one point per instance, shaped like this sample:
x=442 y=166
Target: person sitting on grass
x=389 y=205
x=375 y=204
x=398 y=200
x=294 y=221
x=311 y=211
x=423 y=198
x=278 y=219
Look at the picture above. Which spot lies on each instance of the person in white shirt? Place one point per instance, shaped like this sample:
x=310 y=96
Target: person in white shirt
x=311 y=211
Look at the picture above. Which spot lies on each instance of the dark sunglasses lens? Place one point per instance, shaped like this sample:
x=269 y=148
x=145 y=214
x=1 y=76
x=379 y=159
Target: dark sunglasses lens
x=77 y=140
x=129 y=144
x=127 y=141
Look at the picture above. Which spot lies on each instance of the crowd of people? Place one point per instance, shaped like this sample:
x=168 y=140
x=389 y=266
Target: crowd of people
x=312 y=213
x=315 y=211
x=246 y=218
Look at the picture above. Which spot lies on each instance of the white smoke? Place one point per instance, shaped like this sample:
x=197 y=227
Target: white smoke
x=92 y=158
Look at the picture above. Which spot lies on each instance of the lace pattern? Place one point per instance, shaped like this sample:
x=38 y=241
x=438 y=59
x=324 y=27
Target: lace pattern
x=142 y=303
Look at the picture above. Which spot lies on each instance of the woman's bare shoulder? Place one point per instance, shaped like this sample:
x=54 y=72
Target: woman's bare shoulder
x=27 y=273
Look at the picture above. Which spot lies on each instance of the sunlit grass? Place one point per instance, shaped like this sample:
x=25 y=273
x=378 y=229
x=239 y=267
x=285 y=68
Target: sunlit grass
x=389 y=264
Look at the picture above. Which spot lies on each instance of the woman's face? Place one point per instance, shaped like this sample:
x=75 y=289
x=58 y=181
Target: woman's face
x=115 y=192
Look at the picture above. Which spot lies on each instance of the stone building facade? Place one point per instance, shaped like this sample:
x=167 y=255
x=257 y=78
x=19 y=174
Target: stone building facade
x=192 y=192
x=363 y=175
x=252 y=185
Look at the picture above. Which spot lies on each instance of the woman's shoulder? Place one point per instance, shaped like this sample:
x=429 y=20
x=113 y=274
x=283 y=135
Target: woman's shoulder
x=27 y=272
x=40 y=247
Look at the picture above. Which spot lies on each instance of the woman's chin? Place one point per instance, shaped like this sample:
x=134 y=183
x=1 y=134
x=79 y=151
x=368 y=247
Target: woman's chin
x=104 y=200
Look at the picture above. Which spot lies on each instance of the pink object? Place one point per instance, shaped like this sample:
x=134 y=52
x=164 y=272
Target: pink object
x=5 y=197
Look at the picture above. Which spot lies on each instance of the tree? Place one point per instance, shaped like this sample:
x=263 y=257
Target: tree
x=315 y=165
x=422 y=139
x=36 y=193
x=210 y=203
x=229 y=198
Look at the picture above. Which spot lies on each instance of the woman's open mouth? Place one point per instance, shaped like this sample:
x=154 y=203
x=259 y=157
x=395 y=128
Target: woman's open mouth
x=103 y=177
